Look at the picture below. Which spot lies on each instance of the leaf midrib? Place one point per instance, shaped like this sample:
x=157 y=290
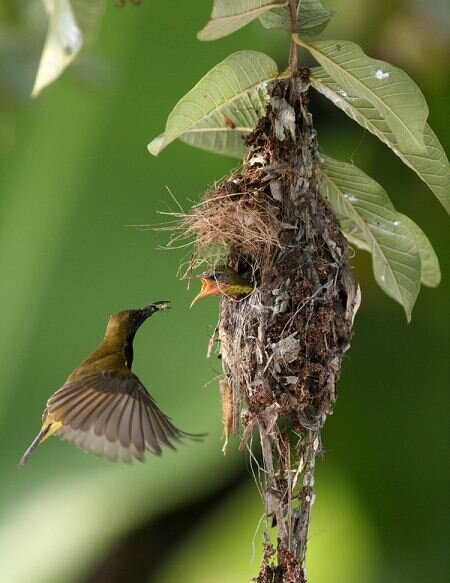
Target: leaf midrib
x=312 y=49
x=363 y=225
x=217 y=107
x=377 y=132
x=252 y=11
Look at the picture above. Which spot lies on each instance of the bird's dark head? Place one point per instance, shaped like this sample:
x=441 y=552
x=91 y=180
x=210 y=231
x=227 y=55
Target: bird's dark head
x=125 y=323
x=123 y=326
x=222 y=280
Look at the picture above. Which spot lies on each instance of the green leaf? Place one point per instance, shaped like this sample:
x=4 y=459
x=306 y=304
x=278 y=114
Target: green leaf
x=224 y=131
x=312 y=18
x=389 y=89
x=430 y=270
x=353 y=233
x=356 y=197
x=223 y=106
x=231 y=15
x=71 y=23
x=432 y=167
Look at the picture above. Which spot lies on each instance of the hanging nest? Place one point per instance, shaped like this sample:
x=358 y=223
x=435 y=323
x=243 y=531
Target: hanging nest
x=281 y=346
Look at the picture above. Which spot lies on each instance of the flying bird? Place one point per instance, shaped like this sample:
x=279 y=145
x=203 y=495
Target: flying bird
x=103 y=407
x=223 y=280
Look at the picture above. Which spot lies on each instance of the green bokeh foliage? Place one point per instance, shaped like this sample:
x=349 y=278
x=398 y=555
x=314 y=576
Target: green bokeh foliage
x=78 y=174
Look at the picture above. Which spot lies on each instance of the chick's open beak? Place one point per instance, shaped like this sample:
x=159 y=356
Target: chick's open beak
x=209 y=288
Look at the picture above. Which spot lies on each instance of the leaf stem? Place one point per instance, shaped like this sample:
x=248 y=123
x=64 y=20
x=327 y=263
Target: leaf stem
x=293 y=56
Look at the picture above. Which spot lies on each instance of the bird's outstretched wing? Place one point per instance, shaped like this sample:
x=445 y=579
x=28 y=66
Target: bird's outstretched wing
x=112 y=415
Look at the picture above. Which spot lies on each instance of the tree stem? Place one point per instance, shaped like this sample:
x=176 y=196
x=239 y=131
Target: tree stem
x=293 y=56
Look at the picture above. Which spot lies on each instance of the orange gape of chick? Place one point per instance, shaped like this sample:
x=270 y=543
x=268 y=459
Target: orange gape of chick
x=223 y=280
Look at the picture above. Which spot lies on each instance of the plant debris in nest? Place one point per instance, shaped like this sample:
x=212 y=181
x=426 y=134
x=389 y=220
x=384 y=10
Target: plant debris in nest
x=233 y=215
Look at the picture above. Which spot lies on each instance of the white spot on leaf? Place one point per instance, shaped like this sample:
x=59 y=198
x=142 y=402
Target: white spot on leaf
x=381 y=75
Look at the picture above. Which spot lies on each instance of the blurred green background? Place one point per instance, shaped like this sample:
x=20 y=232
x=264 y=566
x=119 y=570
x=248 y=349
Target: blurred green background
x=74 y=174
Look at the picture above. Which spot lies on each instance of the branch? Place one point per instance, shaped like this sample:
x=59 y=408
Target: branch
x=293 y=56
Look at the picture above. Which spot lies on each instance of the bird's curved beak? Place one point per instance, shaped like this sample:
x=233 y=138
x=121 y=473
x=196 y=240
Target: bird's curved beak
x=209 y=288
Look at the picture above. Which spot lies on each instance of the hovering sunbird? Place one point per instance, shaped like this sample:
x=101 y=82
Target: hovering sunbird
x=103 y=407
